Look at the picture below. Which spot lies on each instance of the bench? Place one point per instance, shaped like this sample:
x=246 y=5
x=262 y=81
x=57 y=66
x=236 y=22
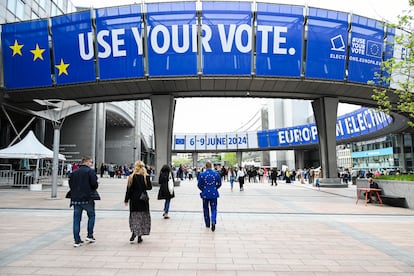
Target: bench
x=396 y=201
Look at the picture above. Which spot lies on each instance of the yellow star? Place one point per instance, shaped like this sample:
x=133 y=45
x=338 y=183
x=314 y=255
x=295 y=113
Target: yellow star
x=62 y=67
x=17 y=49
x=37 y=53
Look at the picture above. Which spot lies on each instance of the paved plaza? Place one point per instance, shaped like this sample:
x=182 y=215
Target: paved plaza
x=291 y=229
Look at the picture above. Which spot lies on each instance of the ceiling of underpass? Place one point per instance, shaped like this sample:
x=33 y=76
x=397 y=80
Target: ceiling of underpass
x=193 y=87
x=243 y=87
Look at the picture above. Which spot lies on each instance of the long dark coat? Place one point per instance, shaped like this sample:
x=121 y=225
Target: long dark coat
x=134 y=191
x=163 y=192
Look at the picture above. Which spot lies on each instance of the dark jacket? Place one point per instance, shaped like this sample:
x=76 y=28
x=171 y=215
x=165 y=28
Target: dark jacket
x=81 y=182
x=134 y=191
x=163 y=192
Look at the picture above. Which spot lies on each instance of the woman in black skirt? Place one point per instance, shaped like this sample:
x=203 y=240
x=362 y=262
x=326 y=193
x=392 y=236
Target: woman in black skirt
x=139 y=214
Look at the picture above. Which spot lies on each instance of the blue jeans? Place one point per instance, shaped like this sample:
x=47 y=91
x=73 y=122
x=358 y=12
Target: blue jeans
x=167 y=205
x=77 y=217
x=206 y=209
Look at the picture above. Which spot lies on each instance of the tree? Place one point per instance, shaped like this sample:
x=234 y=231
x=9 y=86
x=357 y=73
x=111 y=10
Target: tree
x=181 y=161
x=399 y=71
x=230 y=159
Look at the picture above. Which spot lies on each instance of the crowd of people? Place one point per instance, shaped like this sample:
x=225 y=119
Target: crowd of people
x=83 y=182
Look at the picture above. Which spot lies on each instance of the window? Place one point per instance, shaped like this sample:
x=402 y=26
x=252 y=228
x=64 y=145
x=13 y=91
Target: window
x=42 y=4
x=16 y=7
x=53 y=11
x=34 y=15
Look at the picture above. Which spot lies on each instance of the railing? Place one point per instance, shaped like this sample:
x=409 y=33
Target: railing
x=24 y=178
x=17 y=178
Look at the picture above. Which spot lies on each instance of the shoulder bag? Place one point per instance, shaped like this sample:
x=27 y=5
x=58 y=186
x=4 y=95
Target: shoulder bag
x=144 y=196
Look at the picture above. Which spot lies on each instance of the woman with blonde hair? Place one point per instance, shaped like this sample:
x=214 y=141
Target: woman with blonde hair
x=139 y=214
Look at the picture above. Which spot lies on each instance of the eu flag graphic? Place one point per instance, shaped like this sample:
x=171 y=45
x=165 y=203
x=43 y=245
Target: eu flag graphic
x=68 y=32
x=26 y=54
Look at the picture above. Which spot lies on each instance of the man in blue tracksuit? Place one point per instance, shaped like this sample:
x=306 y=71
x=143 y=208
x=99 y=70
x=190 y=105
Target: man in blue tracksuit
x=209 y=182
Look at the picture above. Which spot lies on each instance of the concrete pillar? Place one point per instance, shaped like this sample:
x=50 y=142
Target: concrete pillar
x=239 y=158
x=299 y=159
x=402 y=166
x=325 y=112
x=137 y=132
x=100 y=134
x=195 y=158
x=163 y=107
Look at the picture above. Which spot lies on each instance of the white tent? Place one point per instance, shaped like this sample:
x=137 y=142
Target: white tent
x=28 y=148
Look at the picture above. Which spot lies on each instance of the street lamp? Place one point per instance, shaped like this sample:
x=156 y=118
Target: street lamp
x=56 y=111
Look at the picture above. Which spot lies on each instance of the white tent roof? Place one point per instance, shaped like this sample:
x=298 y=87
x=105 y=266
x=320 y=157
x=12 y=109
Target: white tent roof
x=28 y=148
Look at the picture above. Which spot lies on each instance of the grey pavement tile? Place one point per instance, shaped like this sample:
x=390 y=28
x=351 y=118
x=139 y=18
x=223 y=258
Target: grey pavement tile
x=292 y=229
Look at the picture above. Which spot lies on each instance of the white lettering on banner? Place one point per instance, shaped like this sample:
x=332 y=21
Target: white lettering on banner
x=138 y=39
x=186 y=39
x=82 y=50
x=163 y=31
x=117 y=42
x=358 y=45
x=367 y=123
x=162 y=39
x=297 y=135
x=205 y=39
x=361 y=122
x=337 y=56
x=105 y=45
x=339 y=128
x=277 y=38
x=235 y=35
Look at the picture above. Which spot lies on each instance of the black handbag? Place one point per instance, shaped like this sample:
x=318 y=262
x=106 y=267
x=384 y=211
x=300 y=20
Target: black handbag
x=144 y=196
x=69 y=194
x=95 y=195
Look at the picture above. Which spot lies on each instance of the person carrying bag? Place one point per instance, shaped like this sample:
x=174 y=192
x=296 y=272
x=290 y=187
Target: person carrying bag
x=166 y=191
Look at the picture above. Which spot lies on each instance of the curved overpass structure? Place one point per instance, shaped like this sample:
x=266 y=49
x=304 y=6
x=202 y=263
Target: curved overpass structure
x=162 y=51
x=361 y=124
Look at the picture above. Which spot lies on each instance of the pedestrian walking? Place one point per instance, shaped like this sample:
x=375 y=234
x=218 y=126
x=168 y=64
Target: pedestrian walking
x=139 y=182
x=83 y=182
x=209 y=181
x=231 y=176
x=166 y=192
x=240 y=178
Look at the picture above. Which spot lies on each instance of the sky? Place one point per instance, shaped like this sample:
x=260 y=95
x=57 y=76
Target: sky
x=228 y=114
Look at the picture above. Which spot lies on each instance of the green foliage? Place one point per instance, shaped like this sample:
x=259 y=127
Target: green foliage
x=181 y=161
x=230 y=158
x=401 y=99
x=401 y=177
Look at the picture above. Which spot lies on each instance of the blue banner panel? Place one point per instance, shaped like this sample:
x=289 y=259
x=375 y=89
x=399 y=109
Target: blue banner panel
x=327 y=44
x=227 y=38
x=389 y=53
x=262 y=139
x=370 y=153
x=26 y=54
x=279 y=42
x=298 y=135
x=366 y=49
x=172 y=39
x=72 y=38
x=273 y=138
x=119 y=39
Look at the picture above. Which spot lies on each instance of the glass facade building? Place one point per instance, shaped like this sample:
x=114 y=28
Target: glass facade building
x=389 y=153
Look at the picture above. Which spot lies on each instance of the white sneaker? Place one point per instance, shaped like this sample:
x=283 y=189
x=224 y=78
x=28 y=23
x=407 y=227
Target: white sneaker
x=90 y=239
x=77 y=243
